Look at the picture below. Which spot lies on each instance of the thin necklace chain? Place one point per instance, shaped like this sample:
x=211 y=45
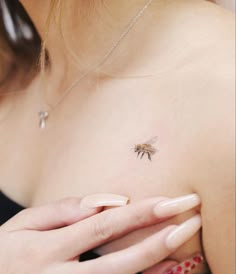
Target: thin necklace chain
x=44 y=115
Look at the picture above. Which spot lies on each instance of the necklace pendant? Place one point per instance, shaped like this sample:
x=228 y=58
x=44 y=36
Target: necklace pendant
x=43 y=115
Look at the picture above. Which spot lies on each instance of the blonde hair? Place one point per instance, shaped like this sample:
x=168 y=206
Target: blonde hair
x=13 y=64
x=54 y=13
x=57 y=16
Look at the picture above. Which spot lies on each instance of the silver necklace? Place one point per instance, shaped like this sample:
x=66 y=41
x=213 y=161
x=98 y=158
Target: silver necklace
x=44 y=114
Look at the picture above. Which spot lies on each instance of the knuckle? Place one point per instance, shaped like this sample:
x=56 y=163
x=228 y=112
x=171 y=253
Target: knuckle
x=149 y=255
x=67 y=203
x=139 y=218
x=66 y=207
x=103 y=228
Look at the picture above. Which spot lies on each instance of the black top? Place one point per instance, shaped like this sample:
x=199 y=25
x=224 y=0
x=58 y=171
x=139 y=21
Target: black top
x=8 y=208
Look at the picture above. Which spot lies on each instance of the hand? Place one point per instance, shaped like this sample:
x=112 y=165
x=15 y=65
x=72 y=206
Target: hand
x=49 y=239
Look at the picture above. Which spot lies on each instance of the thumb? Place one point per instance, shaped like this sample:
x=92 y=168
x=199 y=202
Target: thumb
x=161 y=268
x=55 y=215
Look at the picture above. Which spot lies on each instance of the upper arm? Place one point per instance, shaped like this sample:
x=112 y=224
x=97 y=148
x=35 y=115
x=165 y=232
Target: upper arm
x=217 y=185
x=218 y=215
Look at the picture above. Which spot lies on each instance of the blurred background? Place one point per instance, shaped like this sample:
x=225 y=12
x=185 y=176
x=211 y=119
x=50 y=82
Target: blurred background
x=230 y=4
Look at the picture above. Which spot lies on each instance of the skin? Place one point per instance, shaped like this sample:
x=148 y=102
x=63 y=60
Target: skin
x=65 y=222
x=186 y=98
x=230 y=4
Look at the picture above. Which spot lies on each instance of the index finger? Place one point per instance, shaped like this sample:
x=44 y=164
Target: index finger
x=114 y=223
x=105 y=226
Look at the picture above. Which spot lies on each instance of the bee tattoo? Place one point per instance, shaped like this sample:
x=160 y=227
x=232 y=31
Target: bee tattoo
x=146 y=148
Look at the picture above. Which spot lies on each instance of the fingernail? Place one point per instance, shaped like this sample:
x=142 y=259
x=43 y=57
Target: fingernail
x=187 y=265
x=183 y=232
x=103 y=199
x=175 y=206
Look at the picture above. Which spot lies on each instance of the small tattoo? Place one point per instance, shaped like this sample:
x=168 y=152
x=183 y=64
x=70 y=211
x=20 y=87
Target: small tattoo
x=146 y=148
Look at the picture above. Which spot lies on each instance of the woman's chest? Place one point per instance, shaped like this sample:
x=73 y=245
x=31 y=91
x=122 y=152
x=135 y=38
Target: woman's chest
x=91 y=149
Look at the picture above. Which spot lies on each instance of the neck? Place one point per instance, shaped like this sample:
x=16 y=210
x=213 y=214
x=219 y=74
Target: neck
x=91 y=27
x=83 y=31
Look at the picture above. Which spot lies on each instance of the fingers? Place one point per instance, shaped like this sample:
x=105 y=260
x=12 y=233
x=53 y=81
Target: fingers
x=120 y=262
x=111 y=224
x=135 y=258
x=178 y=205
x=105 y=226
x=149 y=252
x=58 y=214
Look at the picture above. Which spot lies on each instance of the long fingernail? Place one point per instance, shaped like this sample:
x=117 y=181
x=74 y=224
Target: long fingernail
x=183 y=232
x=175 y=206
x=103 y=199
x=187 y=265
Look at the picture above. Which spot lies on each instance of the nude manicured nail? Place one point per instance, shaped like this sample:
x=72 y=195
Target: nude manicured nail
x=183 y=232
x=103 y=199
x=175 y=206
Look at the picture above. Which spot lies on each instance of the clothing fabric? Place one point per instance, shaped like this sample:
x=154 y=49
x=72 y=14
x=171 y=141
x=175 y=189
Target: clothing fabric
x=8 y=208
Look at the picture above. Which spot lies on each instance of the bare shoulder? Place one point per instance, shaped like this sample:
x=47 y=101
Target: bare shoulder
x=203 y=25
x=213 y=73
x=215 y=180
x=209 y=41
x=209 y=71
x=215 y=175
